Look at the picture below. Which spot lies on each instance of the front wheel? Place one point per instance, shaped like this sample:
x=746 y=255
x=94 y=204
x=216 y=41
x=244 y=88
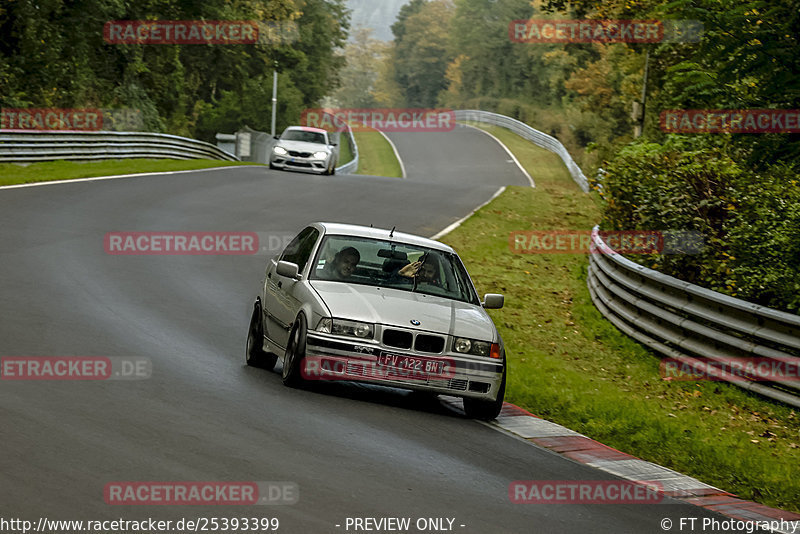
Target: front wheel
x=254 y=353
x=295 y=353
x=484 y=410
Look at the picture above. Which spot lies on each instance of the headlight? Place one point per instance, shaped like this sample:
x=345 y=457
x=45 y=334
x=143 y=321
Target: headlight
x=478 y=348
x=279 y=150
x=343 y=327
x=462 y=345
x=320 y=155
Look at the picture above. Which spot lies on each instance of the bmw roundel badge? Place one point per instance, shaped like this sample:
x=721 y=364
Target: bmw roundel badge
x=415 y=322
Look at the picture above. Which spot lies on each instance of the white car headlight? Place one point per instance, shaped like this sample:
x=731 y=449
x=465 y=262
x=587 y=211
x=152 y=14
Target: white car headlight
x=279 y=150
x=320 y=155
x=478 y=348
x=343 y=327
x=462 y=344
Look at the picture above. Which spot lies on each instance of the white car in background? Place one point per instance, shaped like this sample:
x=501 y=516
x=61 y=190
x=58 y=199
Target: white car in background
x=305 y=149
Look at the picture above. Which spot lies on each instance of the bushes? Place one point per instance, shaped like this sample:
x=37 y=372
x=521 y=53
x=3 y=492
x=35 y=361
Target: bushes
x=750 y=220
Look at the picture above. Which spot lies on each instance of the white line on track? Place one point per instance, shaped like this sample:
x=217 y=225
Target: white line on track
x=94 y=178
x=467 y=216
x=513 y=157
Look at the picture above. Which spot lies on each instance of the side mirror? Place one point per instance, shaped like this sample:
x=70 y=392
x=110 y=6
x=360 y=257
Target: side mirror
x=493 y=301
x=276 y=136
x=287 y=269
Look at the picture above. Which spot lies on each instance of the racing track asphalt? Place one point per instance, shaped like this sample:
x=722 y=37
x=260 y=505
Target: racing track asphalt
x=354 y=451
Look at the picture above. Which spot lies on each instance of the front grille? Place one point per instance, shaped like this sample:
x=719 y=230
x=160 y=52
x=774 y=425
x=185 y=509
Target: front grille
x=299 y=164
x=397 y=338
x=425 y=343
x=297 y=154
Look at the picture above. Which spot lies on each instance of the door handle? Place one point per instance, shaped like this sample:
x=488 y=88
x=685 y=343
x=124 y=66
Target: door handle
x=280 y=283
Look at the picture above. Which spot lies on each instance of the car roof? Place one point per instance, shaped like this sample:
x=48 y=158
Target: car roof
x=381 y=233
x=307 y=129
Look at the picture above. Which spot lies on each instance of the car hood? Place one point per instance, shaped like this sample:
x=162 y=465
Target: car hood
x=398 y=308
x=303 y=146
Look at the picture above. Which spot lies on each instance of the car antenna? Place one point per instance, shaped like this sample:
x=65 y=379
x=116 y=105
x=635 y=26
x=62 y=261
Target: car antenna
x=391 y=234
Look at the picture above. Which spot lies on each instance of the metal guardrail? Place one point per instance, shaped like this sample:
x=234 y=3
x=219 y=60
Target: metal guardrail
x=692 y=324
x=535 y=136
x=351 y=167
x=679 y=320
x=30 y=146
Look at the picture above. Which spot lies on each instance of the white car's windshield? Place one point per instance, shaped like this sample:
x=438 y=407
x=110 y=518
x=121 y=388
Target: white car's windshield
x=400 y=266
x=302 y=135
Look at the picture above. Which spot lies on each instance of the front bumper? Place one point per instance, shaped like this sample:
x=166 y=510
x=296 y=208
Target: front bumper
x=332 y=358
x=300 y=163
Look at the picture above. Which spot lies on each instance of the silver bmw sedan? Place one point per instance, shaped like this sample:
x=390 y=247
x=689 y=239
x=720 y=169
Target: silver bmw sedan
x=355 y=303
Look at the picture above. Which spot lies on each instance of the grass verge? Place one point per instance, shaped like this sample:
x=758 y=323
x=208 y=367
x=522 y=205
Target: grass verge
x=375 y=155
x=45 y=171
x=345 y=151
x=569 y=365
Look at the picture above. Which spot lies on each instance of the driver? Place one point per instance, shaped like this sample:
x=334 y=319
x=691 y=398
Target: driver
x=343 y=264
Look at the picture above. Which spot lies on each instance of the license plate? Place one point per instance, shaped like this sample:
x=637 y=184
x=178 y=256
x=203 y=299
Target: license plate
x=411 y=364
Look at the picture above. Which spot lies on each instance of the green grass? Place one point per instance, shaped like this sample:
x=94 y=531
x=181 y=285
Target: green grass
x=375 y=155
x=569 y=365
x=345 y=151
x=12 y=173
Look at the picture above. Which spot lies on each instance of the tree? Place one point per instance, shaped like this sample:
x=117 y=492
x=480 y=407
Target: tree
x=52 y=54
x=421 y=52
x=358 y=77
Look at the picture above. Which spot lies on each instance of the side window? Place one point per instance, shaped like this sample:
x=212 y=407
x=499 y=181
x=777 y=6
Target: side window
x=299 y=250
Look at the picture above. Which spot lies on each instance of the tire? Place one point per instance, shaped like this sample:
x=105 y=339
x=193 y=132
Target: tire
x=255 y=356
x=271 y=166
x=295 y=353
x=486 y=410
x=333 y=170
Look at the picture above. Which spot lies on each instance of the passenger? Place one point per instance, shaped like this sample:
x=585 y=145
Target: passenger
x=425 y=270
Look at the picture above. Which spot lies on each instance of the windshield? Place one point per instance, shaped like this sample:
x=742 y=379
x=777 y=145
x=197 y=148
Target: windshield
x=301 y=135
x=358 y=260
